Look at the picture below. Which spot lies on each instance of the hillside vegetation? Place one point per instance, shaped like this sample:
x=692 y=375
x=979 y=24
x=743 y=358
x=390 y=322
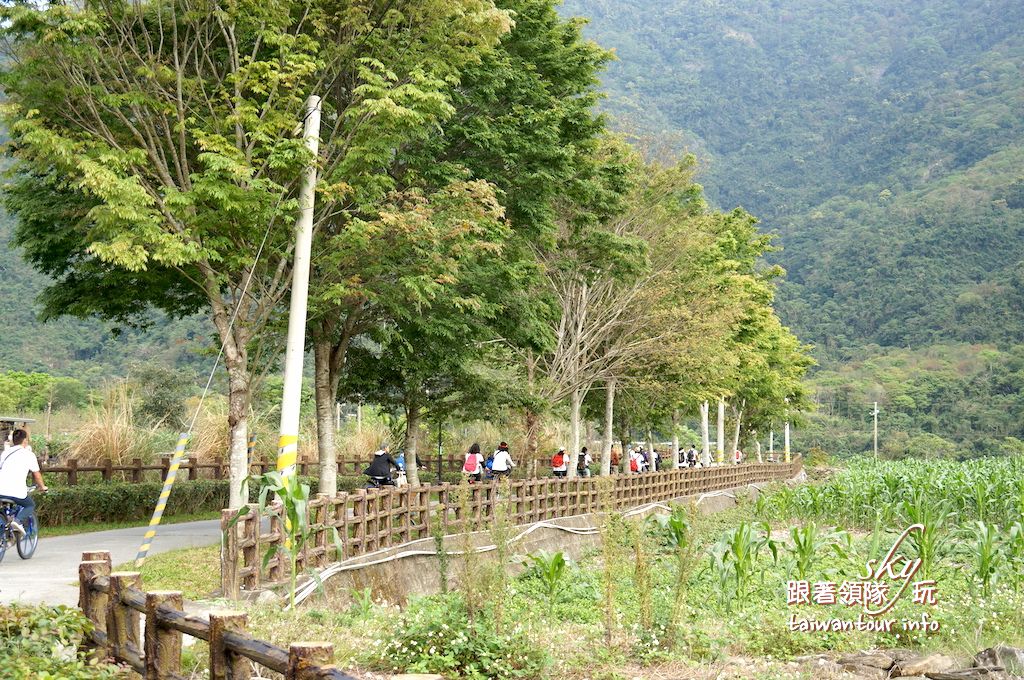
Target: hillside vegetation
x=884 y=144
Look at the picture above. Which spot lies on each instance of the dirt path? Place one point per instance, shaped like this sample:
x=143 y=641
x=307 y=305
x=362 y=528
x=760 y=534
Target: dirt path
x=51 y=576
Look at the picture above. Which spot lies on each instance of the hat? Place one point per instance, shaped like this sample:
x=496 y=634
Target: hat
x=503 y=445
x=561 y=449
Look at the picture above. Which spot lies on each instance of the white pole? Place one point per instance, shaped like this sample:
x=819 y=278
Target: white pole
x=771 y=441
x=296 y=346
x=720 y=446
x=359 y=418
x=874 y=412
x=786 y=444
x=337 y=415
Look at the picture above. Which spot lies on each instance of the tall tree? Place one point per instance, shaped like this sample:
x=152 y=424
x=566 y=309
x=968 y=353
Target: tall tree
x=173 y=122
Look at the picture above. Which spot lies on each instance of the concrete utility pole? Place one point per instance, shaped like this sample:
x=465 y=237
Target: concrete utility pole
x=288 y=445
x=705 y=438
x=786 y=435
x=874 y=413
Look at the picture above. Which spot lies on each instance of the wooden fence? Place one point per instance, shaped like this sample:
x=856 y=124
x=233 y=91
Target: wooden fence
x=114 y=601
x=136 y=472
x=370 y=520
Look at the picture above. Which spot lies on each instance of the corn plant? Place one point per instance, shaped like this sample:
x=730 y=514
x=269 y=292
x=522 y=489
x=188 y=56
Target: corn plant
x=809 y=541
x=677 y=531
x=1014 y=546
x=734 y=559
x=293 y=497
x=988 y=555
x=932 y=514
x=550 y=569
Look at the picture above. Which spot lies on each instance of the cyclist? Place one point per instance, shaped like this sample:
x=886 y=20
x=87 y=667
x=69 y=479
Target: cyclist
x=15 y=464
x=380 y=468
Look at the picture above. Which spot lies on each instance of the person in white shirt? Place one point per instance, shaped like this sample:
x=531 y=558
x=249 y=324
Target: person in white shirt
x=502 y=464
x=15 y=465
x=473 y=466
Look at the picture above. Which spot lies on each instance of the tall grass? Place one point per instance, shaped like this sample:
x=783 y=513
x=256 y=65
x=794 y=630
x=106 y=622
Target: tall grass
x=109 y=431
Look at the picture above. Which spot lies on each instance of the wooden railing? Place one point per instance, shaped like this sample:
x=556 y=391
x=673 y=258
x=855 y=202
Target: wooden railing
x=136 y=472
x=114 y=601
x=370 y=520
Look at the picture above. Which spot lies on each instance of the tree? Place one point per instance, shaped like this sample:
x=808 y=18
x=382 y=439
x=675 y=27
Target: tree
x=521 y=118
x=171 y=123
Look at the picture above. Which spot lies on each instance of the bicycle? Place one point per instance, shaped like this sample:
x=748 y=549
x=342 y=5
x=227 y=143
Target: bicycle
x=25 y=543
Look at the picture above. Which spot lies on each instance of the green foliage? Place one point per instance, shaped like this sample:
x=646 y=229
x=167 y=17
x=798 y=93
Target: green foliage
x=161 y=392
x=550 y=570
x=809 y=541
x=436 y=635
x=734 y=559
x=42 y=642
x=22 y=392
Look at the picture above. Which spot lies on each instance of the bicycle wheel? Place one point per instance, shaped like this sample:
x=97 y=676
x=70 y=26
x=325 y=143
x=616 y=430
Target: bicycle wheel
x=4 y=539
x=27 y=543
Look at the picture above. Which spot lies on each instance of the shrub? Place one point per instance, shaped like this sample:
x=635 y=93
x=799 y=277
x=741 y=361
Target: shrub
x=435 y=635
x=42 y=642
x=129 y=502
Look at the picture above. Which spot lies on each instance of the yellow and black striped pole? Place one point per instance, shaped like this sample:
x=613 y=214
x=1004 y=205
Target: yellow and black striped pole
x=161 y=503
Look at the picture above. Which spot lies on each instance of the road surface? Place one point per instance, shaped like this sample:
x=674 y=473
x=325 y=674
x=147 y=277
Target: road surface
x=51 y=576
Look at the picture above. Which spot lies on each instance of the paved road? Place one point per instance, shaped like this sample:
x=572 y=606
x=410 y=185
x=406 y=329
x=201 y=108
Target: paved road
x=51 y=575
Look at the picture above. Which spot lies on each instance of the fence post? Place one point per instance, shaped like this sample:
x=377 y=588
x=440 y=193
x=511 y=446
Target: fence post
x=306 y=660
x=229 y=555
x=193 y=469
x=165 y=464
x=163 y=644
x=72 y=472
x=93 y=603
x=136 y=470
x=108 y=470
x=122 y=620
x=225 y=664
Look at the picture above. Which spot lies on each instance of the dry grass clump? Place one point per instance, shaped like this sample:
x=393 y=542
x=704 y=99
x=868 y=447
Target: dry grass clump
x=108 y=430
x=209 y=442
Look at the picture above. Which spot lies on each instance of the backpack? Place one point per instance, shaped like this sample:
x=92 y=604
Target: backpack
x=581 y=462
x=557 y=460
x=632 y=465
x=470 y=465
x=490 y=462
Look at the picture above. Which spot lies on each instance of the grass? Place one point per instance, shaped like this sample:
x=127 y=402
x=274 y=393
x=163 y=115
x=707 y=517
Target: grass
x=193 y=571
x=88 y=527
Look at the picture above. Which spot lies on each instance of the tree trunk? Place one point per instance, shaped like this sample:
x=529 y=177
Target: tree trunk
x=720 y=444
x=705 y=435
x=758 y=445
x=609 y=427
x=532 y=434
x=412 y=439
x=326 y=399
x=238 y=424
x=574 y=430
x=650 y=450
x=675 y=439
x=624 y=440
x=739 y=419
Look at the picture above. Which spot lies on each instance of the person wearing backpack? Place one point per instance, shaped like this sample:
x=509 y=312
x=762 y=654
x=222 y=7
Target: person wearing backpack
x=502 y=464
x=473 y=467
x=583 y=463
x=634 y=460
x=559 y=464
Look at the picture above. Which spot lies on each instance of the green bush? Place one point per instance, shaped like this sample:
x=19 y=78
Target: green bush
x=129 y=502
x=435 y=635
x=42 y=642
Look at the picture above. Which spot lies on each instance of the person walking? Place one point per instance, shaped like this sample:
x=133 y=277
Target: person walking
x=583 y=463
x=559 y=464
x=502 y=465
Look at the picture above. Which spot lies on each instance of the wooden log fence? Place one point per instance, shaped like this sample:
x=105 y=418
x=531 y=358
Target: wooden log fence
x=375 y=519
x=113 y=602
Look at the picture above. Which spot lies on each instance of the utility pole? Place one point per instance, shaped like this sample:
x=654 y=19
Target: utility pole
x=785 y=443
x=295 y=349
x=874 y=413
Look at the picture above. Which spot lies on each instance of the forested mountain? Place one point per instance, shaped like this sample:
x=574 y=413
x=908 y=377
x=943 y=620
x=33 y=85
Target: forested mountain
x=89 y=350
x=883 y=141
